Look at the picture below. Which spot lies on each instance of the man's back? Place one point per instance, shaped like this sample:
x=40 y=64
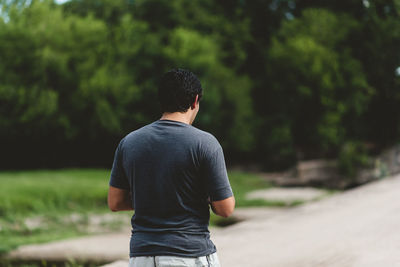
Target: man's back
x=171 y=169
x=170 y=172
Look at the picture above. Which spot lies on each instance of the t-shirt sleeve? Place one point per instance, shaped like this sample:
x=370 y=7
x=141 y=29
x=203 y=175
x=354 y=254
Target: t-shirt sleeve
x=217 y=182
x=118 y=177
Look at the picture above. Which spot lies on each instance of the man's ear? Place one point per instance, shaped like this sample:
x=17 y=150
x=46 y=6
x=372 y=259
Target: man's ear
x=195 y=103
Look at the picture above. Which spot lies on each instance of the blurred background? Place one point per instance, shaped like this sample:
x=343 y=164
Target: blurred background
x=285 y=81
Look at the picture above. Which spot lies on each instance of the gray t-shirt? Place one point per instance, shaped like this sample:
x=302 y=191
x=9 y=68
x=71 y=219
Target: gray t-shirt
x=171 y=169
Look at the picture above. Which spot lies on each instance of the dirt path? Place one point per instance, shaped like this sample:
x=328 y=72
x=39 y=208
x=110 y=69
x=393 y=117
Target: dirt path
x=358 y=228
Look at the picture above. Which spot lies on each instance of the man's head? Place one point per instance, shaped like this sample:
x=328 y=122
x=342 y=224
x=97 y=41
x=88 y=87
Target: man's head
x=178 y=90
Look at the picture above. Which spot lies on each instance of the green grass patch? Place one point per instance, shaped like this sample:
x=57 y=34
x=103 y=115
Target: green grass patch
x=36 y=206
x=45 y=205
x=48 y=191
x=243 y=183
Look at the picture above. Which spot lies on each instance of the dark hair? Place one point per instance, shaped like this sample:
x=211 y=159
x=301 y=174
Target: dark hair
x=178 y=89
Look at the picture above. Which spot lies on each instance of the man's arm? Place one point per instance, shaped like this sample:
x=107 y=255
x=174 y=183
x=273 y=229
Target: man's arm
x=119 y=199
x=223 y=207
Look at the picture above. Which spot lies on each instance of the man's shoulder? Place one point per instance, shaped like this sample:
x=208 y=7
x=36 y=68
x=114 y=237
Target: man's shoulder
x=187 y=133
x=206 y=136
x=142 y=131
x=206 y=140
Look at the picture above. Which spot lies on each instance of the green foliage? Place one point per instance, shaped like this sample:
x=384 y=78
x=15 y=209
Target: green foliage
x=352 y=156
x=281 y=78
x=326 y=86
x=228 y=106
x=46 y=61
x=381 y=38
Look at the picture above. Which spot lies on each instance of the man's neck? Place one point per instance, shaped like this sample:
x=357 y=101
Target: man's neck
x=177 y=116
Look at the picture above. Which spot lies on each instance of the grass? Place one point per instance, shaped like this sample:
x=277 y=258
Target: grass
x=48 y=196
x=32 y=192
x=243 y=182
x=45 y=205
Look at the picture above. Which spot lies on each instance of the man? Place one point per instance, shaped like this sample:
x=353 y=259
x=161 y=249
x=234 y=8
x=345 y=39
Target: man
x=169 y=172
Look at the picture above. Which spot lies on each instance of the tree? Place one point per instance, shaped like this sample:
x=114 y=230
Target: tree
x=317 y=88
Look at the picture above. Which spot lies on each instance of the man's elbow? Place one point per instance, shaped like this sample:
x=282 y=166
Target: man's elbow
x=228 y=211
x=225 y=213
x=113 y=206
x=224 y=208
x=119 y=205
x=113 y=209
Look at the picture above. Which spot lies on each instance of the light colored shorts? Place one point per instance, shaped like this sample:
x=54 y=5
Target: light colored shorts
x=173 y=261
